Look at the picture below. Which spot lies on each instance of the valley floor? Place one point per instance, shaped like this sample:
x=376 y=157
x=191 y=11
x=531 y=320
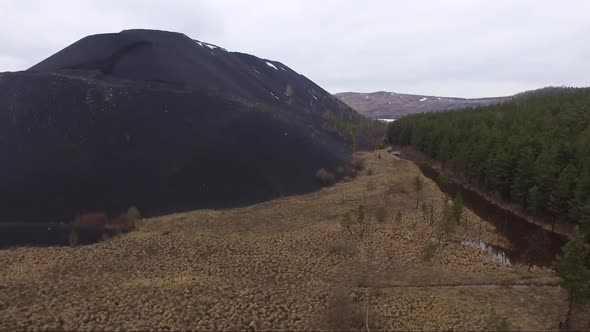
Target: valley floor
x=286 y=264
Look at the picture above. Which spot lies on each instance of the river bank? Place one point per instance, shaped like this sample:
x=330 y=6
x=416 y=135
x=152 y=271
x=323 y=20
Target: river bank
x=509 y=218
x=561 y=227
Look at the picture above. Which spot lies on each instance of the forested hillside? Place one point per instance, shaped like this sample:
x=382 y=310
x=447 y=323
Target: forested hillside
x=534 y=150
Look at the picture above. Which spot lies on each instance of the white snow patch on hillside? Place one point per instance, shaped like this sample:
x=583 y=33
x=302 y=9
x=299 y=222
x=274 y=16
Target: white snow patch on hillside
x=423 y=99
x=273 y=95
x=271 y=65
x=314 y=97
x=387 y=120
x=283 y=69
x=198 y=42
x=438 y=98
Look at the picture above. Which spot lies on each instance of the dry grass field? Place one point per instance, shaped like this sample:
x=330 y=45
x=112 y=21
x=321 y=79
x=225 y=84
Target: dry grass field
x=286 y=264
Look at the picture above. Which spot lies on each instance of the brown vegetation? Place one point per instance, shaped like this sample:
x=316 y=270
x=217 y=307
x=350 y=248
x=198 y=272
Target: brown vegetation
x=324 y=177
x=277 y=266
x=341 y=247
x=358 y=164
x=344 y=314
x=122 y=223
x=98 y=219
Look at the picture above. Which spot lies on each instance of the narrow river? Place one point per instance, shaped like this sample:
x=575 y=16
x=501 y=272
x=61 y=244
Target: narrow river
x=516 y=229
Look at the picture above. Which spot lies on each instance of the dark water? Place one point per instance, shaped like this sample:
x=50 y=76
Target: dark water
x=516 y=229
x=44 y=234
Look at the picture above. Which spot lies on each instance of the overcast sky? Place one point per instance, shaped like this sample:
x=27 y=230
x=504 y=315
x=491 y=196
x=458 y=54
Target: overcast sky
x=464 y=48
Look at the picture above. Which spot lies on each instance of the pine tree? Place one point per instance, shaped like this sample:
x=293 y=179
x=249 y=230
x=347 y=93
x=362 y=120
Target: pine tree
x=534 y=200
x=574 y=275
x=559 y=199
x=418 y=185
x=523 y=178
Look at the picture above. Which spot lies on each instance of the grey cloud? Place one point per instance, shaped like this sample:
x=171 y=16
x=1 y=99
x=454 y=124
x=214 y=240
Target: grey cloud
x=464 y=48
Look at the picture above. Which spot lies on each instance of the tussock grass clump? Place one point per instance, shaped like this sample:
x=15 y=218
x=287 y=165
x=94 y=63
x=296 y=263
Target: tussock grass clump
x=358 y=164
x=497 y=323
x=325 y=177
x=398 y=217
x=382 y=214
x=429 y=250
x=341 y=248
x=343 y=314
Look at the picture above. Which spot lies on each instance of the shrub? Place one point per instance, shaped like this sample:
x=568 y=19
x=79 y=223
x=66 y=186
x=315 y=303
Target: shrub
x=349 y=171
x=496 y=323
x=398 y=217
x=355 y=217
x=429 y=250
x=123 y=223
x=382 y=214
x=358 y=164
x=324 y=177
x=343 y=314
x=370 y=171
x=134 y=213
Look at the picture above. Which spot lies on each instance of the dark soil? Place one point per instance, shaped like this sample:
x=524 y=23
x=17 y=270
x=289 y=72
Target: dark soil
x=160 y=121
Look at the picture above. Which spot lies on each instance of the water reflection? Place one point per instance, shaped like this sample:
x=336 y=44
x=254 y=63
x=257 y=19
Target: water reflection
x=516 y=229
x=495 y=253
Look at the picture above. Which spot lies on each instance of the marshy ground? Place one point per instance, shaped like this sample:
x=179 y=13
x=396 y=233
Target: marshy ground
x=286 y=264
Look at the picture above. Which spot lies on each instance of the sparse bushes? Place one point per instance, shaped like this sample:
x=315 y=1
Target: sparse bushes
x=122 y=223
x=496 y=323
x=429 y=250
x=450 y=218
x=371 y=185
x=358 y=164
x=134 y=213
x=370 y=171
x=325 y=177
x=96 y=220
x=398 y=217
x=355 y=219
x=418 y=185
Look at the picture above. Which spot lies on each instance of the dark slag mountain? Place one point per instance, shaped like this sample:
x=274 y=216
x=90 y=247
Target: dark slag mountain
x=161 y=121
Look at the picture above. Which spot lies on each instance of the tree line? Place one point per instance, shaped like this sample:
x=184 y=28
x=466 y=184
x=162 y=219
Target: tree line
x=533 y=150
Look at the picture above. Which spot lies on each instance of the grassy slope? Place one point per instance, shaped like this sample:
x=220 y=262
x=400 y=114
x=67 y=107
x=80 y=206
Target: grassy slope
x=277 y=264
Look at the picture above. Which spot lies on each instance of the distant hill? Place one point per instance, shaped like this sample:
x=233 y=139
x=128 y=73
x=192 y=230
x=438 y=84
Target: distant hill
x=162 y=121
x=391 y=105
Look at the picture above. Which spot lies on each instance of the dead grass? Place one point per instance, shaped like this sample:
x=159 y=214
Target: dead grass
x=270 y=266
x=341 y=247
x=344 y=314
